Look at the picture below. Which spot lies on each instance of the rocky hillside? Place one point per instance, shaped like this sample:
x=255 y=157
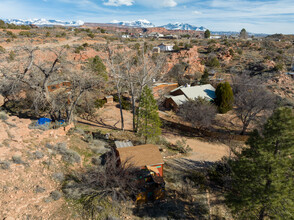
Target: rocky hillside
x=190 y=57
x=30 y=171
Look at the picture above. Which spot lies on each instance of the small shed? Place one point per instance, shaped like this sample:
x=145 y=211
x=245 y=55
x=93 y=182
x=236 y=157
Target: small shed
x=142 y=156
x=109 y=99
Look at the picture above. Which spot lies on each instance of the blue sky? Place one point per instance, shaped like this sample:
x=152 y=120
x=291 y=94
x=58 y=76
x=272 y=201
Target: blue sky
x=259 y=16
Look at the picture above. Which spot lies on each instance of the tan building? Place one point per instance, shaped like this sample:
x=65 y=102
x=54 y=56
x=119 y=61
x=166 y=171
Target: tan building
x=142 y=156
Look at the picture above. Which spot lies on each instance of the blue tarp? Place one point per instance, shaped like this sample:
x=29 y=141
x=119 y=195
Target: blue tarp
x=47 y=121
x=61 y=122
x=44 y=121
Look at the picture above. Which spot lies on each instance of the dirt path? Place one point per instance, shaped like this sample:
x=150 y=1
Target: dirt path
x=201 y=151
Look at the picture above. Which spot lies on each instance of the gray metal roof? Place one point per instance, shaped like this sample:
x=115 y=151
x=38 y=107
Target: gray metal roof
x=193 y=92
x=122 y=144
x=290 y=73
x=180 y=99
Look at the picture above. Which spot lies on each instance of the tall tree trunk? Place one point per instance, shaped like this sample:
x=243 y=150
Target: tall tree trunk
x=133 y=108
x=261 y=214
x=72 y=107
x=120 y=104
x=145 y=129
x=140 y=94
x=245 y=126
x=121 y=111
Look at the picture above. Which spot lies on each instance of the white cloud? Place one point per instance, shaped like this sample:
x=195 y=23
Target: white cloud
x=197 y=12
x=119 y=2
x=169 y=3
x=157 y=3
x=146 y=3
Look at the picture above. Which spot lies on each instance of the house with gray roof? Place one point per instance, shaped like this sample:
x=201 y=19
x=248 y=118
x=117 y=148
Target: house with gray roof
x=183 y=93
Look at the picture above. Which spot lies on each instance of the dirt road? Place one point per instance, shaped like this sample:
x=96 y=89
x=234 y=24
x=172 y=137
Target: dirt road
x=201 y=151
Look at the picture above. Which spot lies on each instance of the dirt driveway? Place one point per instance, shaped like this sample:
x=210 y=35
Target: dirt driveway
x=202 y=151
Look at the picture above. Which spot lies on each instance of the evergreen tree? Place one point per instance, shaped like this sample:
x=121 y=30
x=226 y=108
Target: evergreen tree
x=148 y=119
x=212 y=62
x=243 y=34
x=97 y=66
x=207 y=34
x=262 y=175
x=204 y=78
x=224 y=97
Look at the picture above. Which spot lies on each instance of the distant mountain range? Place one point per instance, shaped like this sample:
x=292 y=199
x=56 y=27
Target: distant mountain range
x=147 y=24
x=142 y=23
x=182 y=26
x=44 y=22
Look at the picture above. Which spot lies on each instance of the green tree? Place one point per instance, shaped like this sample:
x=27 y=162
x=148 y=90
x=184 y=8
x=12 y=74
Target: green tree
x=224 y=97
x=176 y=47
x=212 y=62
x=278 y=67
x=262 y=184
x=243 y=34
x=2 y=23
x=97 y=66
x=204 y=78
x=148 y=119
x=207 y=34
x=91 y=35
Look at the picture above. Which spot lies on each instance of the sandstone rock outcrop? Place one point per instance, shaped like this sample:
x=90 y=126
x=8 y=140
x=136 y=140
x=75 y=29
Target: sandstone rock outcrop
x=190 y=57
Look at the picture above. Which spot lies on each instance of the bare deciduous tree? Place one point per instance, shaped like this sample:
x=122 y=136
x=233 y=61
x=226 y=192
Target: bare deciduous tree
x=200 y=113
x=140 y=72
x=252 y=100
x=135 y=71
x=35 y=76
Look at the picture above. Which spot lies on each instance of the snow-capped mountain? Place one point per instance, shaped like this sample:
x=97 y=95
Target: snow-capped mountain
x=142 y=23
x=182 y=26
x=44 y=22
